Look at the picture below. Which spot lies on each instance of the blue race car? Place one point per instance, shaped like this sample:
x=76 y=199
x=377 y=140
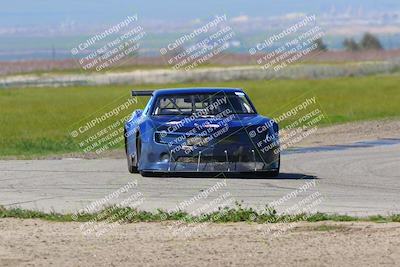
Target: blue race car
x=200 y=130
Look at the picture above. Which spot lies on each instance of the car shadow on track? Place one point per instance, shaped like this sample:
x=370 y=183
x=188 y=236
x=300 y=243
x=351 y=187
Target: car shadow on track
x=281 y=176
x=295 y=176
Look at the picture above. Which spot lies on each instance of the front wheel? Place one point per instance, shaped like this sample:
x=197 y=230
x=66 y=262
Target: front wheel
x=131 y=168
x=276 y=172
x=146 y=174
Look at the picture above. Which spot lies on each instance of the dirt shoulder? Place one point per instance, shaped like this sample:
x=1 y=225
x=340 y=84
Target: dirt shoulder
x=39 y=243
x=352 y=132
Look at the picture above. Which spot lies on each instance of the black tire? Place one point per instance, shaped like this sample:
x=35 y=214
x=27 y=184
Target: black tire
x=273 y=173
x=146 y=174
x=131 y=168
x=276 y=172
x=151 y=174
x=138 y=153
x=138 y=149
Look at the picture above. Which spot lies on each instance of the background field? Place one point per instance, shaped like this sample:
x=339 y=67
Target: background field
x=37 y=121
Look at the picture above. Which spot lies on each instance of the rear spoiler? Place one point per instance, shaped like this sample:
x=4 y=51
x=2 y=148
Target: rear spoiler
x=142 y=92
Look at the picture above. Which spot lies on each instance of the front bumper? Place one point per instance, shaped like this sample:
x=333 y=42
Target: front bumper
x=239 y=167
x=217 y=158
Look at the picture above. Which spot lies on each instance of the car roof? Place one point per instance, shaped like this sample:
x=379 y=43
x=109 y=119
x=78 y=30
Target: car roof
x=195 y=90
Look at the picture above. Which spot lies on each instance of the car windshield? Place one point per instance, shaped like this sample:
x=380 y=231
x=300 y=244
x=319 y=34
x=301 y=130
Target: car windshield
x=203 y=104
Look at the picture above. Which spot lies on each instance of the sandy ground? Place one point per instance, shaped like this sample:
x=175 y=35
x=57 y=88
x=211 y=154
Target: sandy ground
x=42 y=243
x=353 y=132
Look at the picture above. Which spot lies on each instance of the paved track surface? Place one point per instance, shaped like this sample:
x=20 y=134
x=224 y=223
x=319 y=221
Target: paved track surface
x=355 y=179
